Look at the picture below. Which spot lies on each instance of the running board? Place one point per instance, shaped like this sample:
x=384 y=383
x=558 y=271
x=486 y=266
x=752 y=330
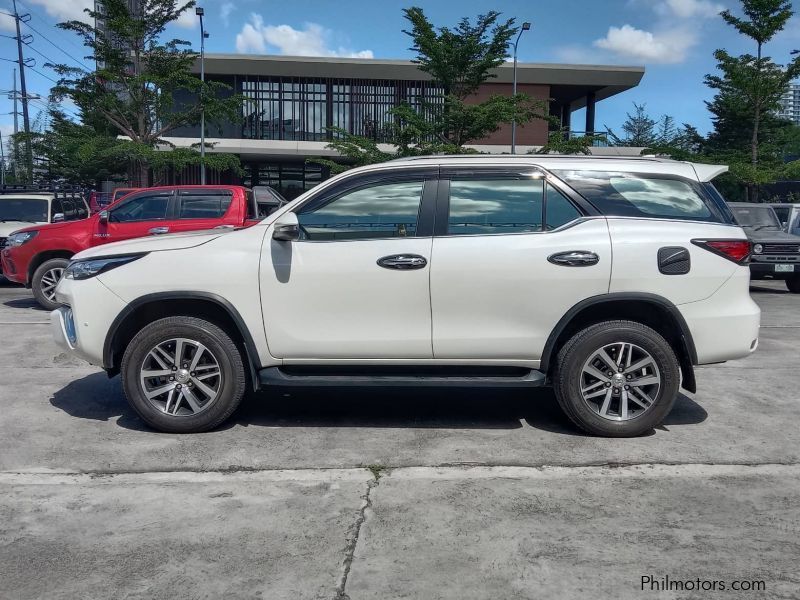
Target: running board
x=275 y=376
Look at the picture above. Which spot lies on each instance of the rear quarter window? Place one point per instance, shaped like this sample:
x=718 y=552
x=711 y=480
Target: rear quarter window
x=639 y=195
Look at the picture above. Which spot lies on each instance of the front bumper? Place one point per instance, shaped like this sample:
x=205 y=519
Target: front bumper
x=82 y=324
x=777 y=267
x=8 y=267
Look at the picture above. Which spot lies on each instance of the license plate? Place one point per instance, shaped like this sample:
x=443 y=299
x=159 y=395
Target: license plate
x=784 y=268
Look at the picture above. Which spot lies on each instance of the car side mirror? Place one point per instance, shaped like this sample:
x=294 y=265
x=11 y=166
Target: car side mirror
x=286 y=228
x=103 y=216
x=58 y=217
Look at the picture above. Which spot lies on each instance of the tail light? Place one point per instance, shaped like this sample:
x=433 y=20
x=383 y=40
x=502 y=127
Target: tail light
x=737 y=251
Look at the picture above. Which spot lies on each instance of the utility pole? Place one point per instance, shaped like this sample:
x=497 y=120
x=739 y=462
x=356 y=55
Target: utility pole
x=16 y=130
x=200 y=12
x=525 y=27
x=25 y=118
x=2 y=161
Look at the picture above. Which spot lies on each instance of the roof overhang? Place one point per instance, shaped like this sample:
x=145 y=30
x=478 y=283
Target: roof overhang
x=568 y=83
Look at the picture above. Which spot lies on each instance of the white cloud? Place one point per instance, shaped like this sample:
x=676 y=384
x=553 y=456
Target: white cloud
x=666 y=47
x=65 y=10
x=225 y=12
x=188 y=19
x=690 y=9
x=312 y=40
x=6 y=22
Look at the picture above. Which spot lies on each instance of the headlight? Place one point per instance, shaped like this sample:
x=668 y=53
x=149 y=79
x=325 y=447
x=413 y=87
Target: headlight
x=84 y=269
x=758 y=248
x=17 y=239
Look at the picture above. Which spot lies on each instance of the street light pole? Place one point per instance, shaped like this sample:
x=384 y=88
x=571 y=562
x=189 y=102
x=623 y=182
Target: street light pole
x=525 y=27
x=199 y=12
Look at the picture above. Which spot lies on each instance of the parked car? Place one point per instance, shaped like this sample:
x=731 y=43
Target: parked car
x=789 y=216
x=776 y=254
x=23 y=205
x=608 y=279
x=37 y=256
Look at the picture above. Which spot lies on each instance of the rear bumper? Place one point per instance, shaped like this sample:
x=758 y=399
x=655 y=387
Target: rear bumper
x=724 y=326
x=762 y=269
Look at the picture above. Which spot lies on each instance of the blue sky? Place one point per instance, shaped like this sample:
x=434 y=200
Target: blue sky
x=673 y=39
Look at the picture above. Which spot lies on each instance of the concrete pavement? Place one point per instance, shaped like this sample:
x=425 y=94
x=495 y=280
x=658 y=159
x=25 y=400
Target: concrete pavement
x=480 y=493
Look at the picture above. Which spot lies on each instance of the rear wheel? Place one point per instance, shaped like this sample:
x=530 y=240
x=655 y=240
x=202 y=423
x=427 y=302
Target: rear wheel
x=793 y=284
x=44 y=282
x=617 y=379
x=183 y=375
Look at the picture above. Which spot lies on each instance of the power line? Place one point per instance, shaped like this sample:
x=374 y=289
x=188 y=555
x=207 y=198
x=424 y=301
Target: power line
x=42 y=74
x=44 y=37
x=66 y=39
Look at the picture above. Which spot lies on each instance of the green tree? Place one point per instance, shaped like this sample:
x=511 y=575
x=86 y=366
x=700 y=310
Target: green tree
x=139 y=78
x=748 y=89
x=560 y=142
x=458 y=60
x=639 y=129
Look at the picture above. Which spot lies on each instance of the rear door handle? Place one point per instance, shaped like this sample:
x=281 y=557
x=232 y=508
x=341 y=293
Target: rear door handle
x=158 y=230
x=403 y=262
x=574 y=258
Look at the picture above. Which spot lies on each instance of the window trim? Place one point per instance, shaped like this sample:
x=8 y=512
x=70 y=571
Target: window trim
x=441 y=225
x=169 y=215
x=202 y=192
x=425 y=215
x=708 y=201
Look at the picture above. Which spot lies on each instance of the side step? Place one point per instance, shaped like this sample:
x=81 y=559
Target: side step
x=278 y=376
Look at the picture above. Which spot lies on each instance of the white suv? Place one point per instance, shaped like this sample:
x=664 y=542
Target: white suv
x=606 y=278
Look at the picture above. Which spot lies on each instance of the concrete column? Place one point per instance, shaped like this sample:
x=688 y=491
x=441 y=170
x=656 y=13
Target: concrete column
x=590 y=102
x=566 y=116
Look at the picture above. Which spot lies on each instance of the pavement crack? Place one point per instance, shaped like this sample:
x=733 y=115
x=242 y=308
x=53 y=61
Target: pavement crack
x=353 y=535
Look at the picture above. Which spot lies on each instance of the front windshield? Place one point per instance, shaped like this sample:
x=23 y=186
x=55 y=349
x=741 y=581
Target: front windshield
x=29 y=210
x=760 y=217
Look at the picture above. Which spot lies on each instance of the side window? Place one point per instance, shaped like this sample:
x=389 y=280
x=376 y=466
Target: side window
x=484 y=206
x=204 y=204
x=80 y=209
x=69 y=209
x=558 y=210
x=378 y=211
x=55 y=208
x=640 y=195
x=147 y=207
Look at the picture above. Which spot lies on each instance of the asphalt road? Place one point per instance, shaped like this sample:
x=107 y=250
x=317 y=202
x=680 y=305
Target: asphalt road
x=479 y=494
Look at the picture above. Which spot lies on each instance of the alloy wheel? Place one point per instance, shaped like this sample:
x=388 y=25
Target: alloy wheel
x=181 y=377
x=620 y=381
x=50 y=280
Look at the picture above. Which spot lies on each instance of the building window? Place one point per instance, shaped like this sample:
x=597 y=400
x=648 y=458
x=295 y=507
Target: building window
x=287 y=108
x=290 y=179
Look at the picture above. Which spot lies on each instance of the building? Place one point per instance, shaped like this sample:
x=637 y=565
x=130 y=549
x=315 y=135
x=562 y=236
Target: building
x=292 y=101
x=790 y=104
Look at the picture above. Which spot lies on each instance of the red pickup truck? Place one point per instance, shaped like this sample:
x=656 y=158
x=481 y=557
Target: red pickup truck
x=36 y=256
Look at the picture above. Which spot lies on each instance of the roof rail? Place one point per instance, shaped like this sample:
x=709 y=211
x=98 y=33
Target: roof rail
x=39 y=187
x=532 y=157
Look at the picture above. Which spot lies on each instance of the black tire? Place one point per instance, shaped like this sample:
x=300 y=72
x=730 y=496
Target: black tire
x=231 y=367
x=567 y=378
x=37 y=285
x=793 y=284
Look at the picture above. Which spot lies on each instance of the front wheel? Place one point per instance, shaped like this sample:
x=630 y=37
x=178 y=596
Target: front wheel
x=183 y=375
x=617 y=379
x=793 y=284
x=44 y=282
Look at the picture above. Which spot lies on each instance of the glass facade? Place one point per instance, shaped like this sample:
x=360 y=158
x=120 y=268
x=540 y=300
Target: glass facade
x=291 y=108
x=289 y=178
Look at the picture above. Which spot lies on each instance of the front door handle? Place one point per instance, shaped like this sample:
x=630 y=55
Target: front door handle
x=158 y=230
x=574 y=258
x=403 y=262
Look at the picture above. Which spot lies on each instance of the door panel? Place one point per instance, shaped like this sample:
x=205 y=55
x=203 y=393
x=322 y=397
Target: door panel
x=356 y=285
x=333 y=300
x=498 y=297
x=140 y=215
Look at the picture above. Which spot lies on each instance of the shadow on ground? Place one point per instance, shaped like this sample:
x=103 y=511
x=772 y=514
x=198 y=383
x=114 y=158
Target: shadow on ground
x=96 y=397
x=29 y=303
x=762 y=289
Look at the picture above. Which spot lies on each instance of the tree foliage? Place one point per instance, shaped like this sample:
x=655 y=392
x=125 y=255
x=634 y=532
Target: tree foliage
x=139 y=76
x=748 y=90
x=458 y=60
